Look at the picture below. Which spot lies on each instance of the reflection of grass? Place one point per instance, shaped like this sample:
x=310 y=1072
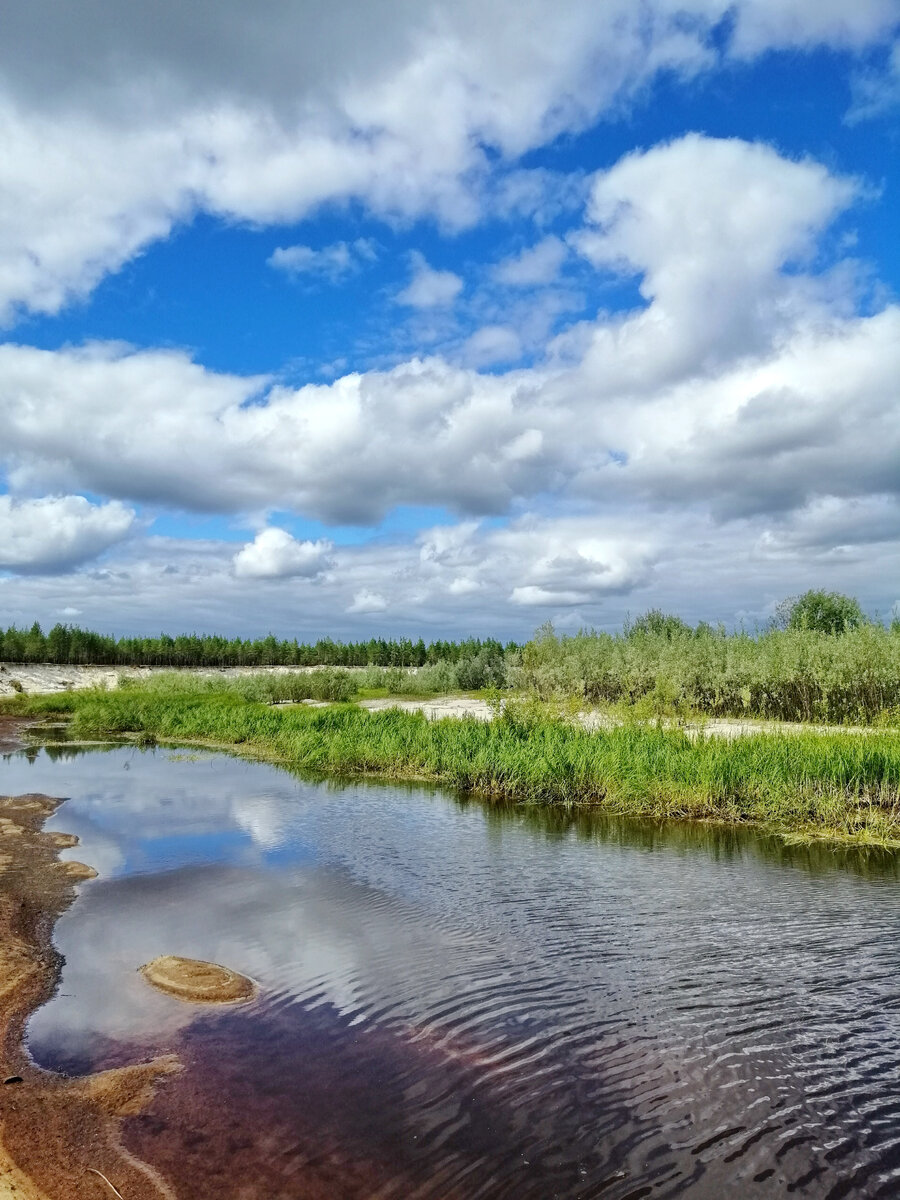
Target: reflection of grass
x=806 y=785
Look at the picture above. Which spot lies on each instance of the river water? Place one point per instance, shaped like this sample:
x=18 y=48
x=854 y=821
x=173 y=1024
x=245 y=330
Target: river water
x=463 y=1001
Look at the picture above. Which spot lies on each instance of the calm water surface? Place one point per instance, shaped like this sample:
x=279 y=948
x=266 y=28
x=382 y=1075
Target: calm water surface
x=457 y=1001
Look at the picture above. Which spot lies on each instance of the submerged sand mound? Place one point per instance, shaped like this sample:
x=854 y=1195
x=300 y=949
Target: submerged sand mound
x=197 y=982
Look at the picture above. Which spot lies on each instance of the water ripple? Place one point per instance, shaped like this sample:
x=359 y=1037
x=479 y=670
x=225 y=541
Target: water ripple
x=465 y=1002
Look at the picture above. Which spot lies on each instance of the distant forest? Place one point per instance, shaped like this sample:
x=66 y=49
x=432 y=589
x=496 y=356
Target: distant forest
x=67 y=644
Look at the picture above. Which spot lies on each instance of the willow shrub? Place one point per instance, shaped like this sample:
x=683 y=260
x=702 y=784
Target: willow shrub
x=792 y=674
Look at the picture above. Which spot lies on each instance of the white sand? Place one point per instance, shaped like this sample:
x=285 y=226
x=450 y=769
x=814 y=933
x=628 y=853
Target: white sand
x=45 y=678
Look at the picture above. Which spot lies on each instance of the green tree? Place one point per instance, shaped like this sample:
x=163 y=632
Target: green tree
x=661 y=624
x=820 y=611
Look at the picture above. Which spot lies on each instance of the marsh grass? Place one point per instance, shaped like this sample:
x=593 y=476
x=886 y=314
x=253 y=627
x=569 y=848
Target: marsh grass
x=804 y=785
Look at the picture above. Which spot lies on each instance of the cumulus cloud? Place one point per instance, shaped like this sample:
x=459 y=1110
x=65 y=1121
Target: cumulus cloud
x=711 y=260
x=289 y=450
x=115 y=130
x=429 y=288
x=333 y=262
x=274 y=554
x=743 y=398
x=492 y=344
x=57 y=533
x=876 y=91
x=739 y=363
x=766 y=24
x=815 y=417
x=366 y=601
x=536 y=265
x=831 y=527
x=539 y=562
x=577 y=571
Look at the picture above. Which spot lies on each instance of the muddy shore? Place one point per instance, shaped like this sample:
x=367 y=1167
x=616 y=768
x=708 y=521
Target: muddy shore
x=60 y=1138
x=11 y=731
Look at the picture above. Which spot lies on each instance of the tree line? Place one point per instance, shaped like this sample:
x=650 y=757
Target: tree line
x=71 y=645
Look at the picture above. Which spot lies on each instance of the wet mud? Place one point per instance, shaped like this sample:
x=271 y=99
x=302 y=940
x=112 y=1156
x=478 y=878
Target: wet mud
x=12 y=730
x=60 y=1138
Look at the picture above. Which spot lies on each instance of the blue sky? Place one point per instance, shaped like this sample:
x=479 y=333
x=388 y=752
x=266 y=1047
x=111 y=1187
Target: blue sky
x=444 y=318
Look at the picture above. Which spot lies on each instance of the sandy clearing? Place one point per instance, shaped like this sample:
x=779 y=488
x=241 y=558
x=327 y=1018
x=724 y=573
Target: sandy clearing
x=721 y=727
x=47 y=678
x=441 y=706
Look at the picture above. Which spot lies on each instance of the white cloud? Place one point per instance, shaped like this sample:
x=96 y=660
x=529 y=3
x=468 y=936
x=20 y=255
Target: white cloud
x=710 y=258
x=57 y=533
x=742 y=383
x=492 y=344
x=366 y=601
x=114 y=131
x=876 y=91
x=290 y=451
x=765 y=24
x=659 y=397
x=274 y=554
x=534 y=266
x=741 y=425
x=429 y=288
x=536 y=193
x=570 y=565
x=829 y=526
x=578 y=571
x=334 y=261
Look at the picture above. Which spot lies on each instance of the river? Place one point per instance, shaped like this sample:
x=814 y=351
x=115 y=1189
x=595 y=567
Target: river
x=460 y=1000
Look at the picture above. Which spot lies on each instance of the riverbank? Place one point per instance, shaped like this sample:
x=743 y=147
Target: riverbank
x=59 y=1137
x=801 y=785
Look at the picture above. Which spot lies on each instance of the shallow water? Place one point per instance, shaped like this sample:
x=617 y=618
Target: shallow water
x=462 y=1001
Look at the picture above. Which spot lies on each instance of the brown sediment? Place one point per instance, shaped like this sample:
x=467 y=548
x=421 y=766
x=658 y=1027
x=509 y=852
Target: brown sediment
x=11 y=730
x=59 y=1137
x=196 y=981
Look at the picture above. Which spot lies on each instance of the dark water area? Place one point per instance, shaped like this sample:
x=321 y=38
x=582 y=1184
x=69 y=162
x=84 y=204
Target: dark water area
x=464 y=1001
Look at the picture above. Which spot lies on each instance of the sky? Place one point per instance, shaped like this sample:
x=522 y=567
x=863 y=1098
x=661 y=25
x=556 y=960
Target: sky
x=446 y=319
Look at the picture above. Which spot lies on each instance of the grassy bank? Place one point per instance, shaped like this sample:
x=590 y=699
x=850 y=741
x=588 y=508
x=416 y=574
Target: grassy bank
x=806 y=785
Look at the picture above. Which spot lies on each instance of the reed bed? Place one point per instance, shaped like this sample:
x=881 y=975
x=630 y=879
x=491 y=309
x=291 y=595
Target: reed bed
x=804 y=785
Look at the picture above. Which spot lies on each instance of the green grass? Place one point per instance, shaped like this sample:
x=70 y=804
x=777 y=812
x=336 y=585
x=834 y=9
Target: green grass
x=801 y=785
